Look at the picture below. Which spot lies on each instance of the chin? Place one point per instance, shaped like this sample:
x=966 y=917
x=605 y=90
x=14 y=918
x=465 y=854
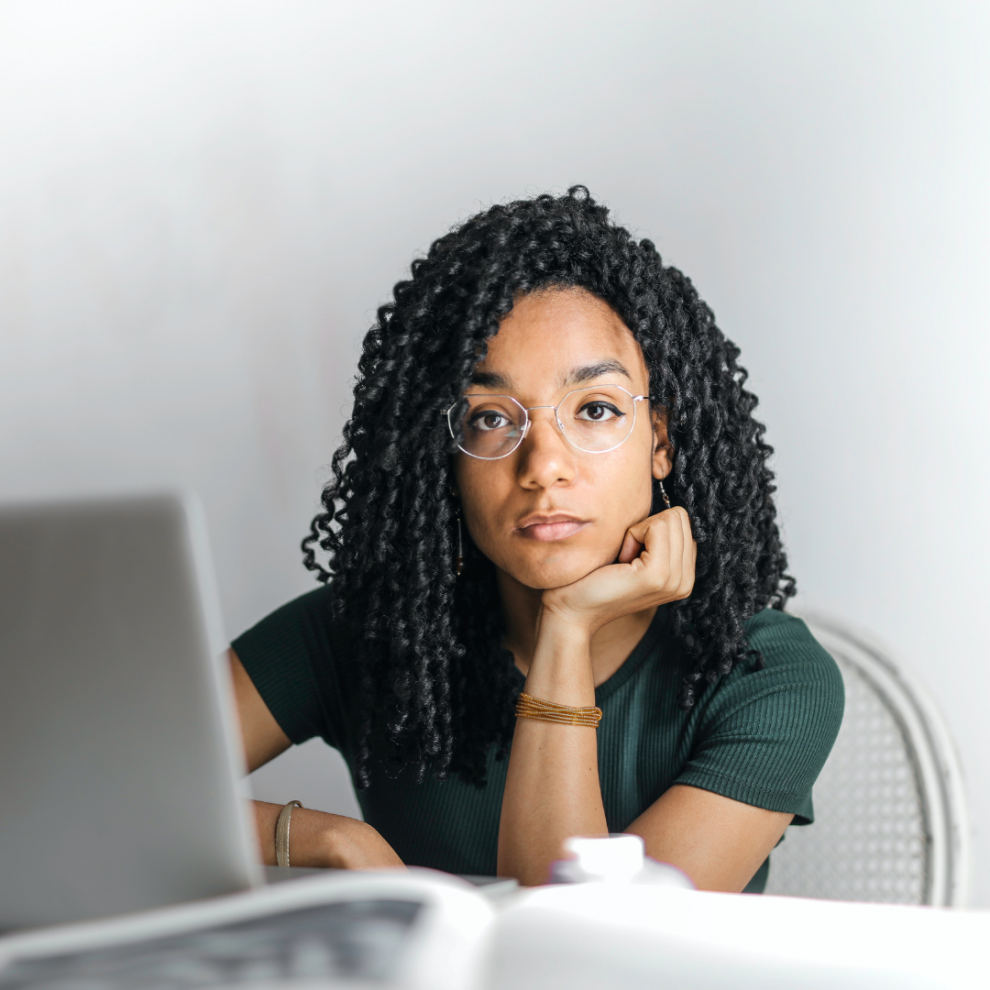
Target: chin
x=555 y=574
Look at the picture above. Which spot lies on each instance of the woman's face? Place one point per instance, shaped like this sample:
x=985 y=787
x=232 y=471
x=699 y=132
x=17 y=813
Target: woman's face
x=548 y=514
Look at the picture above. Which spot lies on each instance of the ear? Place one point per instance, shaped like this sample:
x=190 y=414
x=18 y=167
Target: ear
x=663 y=451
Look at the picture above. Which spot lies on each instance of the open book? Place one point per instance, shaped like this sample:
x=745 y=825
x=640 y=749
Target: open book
x=414 y=930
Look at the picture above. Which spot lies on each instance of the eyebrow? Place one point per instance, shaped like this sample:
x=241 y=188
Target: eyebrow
x=490 y=379
x=589 y=371
x=494 y=379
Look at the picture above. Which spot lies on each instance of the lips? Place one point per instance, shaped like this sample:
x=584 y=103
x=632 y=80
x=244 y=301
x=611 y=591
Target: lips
x=548 y=528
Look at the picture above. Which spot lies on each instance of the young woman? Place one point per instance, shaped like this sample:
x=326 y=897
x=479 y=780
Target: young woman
x=552 y=500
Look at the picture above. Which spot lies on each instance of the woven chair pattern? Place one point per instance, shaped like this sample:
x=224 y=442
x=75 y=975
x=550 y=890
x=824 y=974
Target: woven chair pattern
x=869 y=841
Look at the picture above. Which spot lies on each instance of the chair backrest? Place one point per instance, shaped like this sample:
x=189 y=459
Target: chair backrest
x=891 y=820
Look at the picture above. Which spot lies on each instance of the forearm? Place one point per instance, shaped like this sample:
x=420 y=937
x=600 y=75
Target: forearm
x=320 y=839
x=718 y=842
x=552 y=789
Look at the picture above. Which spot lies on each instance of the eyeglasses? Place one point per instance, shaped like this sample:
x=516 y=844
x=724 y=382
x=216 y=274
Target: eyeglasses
x=595 y=419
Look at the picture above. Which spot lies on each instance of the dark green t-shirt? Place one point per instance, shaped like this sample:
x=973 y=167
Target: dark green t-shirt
x=758 y=736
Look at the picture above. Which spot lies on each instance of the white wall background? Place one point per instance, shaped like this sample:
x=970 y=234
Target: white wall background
x=201 y=203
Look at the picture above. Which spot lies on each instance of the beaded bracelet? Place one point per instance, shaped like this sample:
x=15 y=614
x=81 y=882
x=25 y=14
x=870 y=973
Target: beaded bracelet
x=547 y=711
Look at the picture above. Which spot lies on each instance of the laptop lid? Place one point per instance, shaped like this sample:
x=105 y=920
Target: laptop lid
x=119 y=759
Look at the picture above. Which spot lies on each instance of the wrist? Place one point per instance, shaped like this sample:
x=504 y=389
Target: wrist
x=561 y=669
x=560 y=625
x=351 y=844
x=338 y=842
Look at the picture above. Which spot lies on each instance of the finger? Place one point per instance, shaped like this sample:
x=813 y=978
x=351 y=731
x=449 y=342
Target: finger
x=631 y=548
x=667 y=551
x=655 y=535
x=663 y=549
x=640 y=529
x=675 y=562
x=689 y=558
x=685 y=523
x=690 y=543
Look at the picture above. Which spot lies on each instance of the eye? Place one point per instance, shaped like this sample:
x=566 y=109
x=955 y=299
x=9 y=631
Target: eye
x=489 y=420
x=598 y=412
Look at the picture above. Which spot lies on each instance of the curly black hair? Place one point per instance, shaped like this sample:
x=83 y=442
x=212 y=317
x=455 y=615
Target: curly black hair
x=437 y=684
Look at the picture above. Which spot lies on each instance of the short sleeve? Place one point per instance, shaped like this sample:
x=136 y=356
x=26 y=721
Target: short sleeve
x=764 y=735
x=289 y=656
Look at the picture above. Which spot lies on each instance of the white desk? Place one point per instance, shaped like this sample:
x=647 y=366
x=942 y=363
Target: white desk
x=578 y=937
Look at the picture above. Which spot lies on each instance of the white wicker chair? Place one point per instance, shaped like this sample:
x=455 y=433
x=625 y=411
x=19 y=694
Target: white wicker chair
x=891 y=821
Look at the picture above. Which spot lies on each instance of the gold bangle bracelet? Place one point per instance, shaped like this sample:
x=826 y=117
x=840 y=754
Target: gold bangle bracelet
x=282 y=833
x=548 y=711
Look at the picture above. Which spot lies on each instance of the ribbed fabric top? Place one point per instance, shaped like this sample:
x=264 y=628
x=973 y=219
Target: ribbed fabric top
x=758 y=736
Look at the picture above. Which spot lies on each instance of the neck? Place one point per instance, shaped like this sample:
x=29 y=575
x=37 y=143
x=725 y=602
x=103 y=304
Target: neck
x=610 y=645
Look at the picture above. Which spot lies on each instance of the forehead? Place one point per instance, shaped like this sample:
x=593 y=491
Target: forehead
x=553 y=337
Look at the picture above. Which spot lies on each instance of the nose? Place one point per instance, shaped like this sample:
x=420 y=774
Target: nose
x=545 y=457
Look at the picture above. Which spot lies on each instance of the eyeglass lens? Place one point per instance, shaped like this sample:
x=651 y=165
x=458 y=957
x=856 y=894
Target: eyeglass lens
x=593 y=419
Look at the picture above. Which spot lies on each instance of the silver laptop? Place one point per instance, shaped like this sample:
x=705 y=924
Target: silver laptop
x=119 y=761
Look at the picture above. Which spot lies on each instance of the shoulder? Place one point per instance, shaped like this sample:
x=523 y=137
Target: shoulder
x=765 y=729
x=788 y=647
x=297 y=658
x=307 y=618
x=794 y=680
x=316 y=602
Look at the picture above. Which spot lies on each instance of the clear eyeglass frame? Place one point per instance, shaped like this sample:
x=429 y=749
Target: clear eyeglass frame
x=528 y=422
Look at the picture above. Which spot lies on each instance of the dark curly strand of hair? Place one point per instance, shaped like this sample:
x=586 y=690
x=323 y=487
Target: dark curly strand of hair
x=437 y=684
